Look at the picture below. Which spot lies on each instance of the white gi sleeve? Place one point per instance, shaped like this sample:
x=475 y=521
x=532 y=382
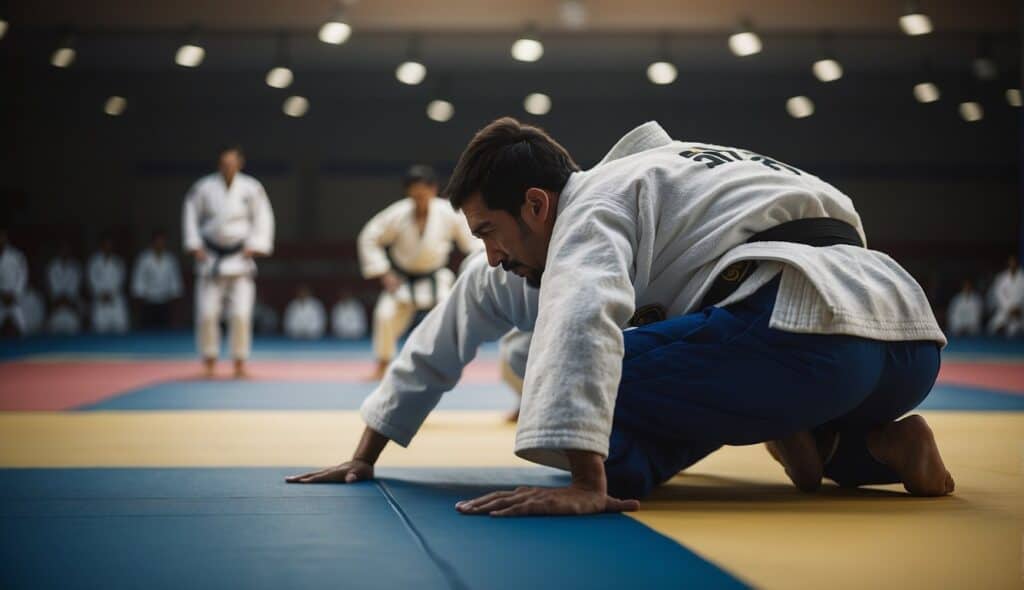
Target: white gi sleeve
x=373 y=238
x=484 y=304
x=261 y=238
x=575 y=360
x=190 y=220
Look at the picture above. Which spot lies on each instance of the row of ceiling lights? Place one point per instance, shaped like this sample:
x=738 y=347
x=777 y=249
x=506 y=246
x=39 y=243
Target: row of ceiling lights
x=529 y=48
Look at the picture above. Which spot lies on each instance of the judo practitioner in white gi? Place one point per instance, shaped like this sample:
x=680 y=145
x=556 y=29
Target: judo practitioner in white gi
x=227 y=222
x=304 y=318
x=64 y=277
x=756 y=314
x=156 y=282
x=965 y=313
x=348 y=317
x=106 y=280
x=1008 y=301
x=13 y=279
x=406 y=246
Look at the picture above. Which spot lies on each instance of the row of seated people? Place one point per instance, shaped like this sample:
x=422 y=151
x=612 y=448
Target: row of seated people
x=156 y=284
x=1003 y=302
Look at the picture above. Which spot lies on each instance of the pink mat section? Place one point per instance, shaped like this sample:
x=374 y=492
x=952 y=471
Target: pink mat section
x=1001 y=376
x=62 y=385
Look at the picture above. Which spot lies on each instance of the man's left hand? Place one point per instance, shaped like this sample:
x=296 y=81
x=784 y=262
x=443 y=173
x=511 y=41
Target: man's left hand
x=526 y=501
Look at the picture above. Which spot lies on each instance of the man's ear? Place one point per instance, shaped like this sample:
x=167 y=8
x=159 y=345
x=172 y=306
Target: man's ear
x=536 y=207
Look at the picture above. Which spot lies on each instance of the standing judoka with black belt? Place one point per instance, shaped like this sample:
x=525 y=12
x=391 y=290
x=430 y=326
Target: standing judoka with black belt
x=407 y=246
x=227 y=222
x=759 y=315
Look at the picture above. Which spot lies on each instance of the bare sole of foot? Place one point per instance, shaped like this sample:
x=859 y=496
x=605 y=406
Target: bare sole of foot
x=799 y=456
x=908 y=446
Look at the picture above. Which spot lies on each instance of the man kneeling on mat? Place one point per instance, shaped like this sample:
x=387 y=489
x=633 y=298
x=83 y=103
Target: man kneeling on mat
x=693 y=296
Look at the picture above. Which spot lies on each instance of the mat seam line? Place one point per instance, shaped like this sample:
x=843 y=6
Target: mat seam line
x=446 y=569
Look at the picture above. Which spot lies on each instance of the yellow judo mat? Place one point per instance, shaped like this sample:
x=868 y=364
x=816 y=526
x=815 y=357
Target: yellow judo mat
x=736 y=508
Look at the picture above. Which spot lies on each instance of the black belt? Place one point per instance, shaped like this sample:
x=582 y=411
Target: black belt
x=814 y=231
x=220 y=252
x=412 y=277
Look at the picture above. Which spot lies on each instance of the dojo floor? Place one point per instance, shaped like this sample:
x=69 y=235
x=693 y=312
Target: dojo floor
x=119 y=468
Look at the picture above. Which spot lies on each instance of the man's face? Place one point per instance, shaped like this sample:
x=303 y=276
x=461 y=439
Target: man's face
x=159 y=243
x=230 y=163
x=421 y=192
x=519 y=245
x=1011 y=263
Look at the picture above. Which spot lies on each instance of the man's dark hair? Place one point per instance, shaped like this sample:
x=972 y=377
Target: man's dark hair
x=506 y=158
x=419 y=173
x=231 y=147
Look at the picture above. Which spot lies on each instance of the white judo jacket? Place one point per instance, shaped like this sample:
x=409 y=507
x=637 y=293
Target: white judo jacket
x=228 y=216
x=392 y=237
x=654 y=223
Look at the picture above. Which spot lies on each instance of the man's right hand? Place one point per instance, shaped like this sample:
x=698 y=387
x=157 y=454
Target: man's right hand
x=390 y=281
x=348 y=472
x=199 y=254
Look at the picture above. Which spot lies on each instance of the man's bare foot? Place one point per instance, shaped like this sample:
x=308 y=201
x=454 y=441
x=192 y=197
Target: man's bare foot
x=378 y=373
x=908 y=446
x=240 y=370
x=801 y=459
x=209 y=367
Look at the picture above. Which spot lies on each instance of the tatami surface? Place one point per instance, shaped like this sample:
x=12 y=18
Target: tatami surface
x=735 y=509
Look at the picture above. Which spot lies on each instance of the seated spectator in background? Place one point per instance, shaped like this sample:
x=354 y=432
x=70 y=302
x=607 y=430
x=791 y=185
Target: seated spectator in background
x=64 y=320
x=13 y=278
x=106 y=278
x=1008 y=300
x=348 y=317
x=305 y=318
x=33 y=307
x=965 y=312
x=264 y=318
x=64 y=278
x=156 y=281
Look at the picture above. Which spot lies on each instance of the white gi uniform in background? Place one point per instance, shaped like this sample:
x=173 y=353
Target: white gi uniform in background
x=391 y=241
x=648 y=225
x=63 y=320
x=13 y=279
x=348 y=319
x=232 y=219
x=156 y=278
x=64 y=278
x=106 y=277
x=964 y=315
x=304 y=318
x=1008 y=295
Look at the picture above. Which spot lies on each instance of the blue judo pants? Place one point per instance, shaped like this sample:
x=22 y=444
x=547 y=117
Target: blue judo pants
x=721 y=376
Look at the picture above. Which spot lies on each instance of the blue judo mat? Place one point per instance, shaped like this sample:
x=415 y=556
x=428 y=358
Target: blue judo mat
x=246 y=528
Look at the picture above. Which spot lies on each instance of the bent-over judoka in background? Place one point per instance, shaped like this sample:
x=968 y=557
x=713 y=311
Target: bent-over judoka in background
x=406 y=246
x=227 y=222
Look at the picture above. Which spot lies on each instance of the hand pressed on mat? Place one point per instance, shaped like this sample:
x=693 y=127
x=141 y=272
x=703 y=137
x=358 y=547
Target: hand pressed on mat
x=587 y=494
x=359 y=468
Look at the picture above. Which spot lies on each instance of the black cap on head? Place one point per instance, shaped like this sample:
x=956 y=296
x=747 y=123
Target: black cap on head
x=419 y=173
